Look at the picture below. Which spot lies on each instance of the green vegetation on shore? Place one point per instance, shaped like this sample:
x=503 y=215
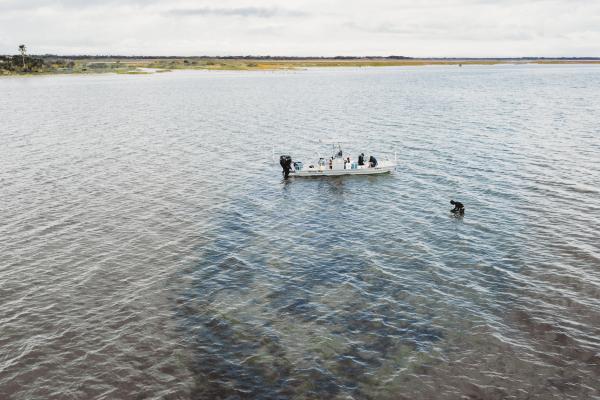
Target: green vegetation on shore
x=49 y=64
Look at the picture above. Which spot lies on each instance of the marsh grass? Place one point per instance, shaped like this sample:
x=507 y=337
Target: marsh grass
x=132 y=66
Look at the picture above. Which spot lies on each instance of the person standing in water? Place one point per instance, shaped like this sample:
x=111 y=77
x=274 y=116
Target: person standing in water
x=459 y=208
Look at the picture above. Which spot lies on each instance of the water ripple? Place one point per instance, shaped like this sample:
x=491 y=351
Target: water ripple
x=150 y=249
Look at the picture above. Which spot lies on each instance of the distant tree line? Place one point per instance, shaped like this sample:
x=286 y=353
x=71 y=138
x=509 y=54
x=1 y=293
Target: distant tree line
x=53 y=59
x=246 y=57
x=21 y=63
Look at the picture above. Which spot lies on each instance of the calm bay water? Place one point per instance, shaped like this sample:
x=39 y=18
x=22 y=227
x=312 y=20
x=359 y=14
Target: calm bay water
x=150 y=249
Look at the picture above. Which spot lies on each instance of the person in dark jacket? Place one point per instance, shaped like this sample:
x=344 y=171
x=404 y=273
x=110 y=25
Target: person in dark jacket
x=361 y=159
x=458 y=207
x=372 y=162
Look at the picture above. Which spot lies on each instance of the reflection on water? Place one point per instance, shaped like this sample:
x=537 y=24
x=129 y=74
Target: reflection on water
x=152 y=250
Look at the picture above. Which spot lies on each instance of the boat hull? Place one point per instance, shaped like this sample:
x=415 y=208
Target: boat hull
x=311 y=172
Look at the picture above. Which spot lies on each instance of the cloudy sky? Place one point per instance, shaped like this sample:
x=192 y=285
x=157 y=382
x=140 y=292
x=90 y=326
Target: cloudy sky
x=427 y=28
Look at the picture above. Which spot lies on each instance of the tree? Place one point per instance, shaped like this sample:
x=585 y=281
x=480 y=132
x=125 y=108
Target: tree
x=22 y=49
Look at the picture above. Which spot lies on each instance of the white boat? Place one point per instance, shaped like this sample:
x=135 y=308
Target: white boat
x=337 y=165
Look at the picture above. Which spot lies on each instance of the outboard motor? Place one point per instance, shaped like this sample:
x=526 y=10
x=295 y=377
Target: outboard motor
x=286 y=165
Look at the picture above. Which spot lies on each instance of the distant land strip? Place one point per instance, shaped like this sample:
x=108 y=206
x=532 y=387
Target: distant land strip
x=80 y=64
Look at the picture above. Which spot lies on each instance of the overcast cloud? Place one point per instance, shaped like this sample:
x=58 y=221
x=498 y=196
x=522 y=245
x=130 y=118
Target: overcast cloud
x=429 y=28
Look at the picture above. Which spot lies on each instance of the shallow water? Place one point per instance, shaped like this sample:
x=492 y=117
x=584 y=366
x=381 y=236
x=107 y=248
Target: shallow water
x=150 y=248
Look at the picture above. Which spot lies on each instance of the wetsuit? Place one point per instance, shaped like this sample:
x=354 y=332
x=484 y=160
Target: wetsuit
x=361 y=160
x=458 y=207
x=372 y=161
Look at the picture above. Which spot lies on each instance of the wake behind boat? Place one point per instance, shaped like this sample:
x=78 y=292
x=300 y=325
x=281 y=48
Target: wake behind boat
x=336 y=165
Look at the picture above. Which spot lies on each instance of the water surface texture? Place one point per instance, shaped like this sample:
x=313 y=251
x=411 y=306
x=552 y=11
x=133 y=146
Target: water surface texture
x=150 y=248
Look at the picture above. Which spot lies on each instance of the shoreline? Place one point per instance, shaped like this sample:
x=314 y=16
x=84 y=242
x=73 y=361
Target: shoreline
x=137 y=66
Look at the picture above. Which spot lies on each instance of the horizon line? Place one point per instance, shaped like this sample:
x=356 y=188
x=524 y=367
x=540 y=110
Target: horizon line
x=398 y=57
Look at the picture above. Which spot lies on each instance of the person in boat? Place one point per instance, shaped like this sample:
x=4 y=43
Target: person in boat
x=339 y=153
x=459 y=208
x=361 y=159
x=372 y=162
x=347 y=163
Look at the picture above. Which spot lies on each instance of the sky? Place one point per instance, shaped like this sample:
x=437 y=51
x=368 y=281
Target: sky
x=428 y=28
